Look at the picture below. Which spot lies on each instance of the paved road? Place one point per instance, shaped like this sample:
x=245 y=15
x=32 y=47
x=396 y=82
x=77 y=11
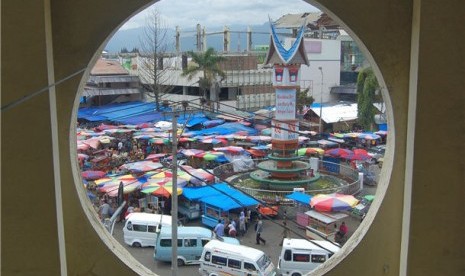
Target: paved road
x=272 y=233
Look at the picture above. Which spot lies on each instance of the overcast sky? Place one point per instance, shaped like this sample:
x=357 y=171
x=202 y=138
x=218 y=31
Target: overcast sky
x=217 y=13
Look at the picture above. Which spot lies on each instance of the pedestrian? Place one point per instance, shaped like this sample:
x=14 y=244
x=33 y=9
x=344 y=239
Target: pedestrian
x=242 y=228
x=219 y=229
x=259 y=230
x=285 y=233
x=232 y=229
x=104 y=210
x=248 y=213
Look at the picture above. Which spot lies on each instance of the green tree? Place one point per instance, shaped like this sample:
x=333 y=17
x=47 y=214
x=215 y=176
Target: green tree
x=302 y=99
x=367 y=85
x=207 y=63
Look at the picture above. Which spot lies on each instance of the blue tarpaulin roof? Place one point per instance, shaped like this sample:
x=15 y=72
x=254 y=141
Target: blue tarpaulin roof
x=227 y=128
x=220 y=195
x=120 y=112
x=300 y=197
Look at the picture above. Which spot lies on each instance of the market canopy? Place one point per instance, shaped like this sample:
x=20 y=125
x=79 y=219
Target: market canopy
x=220 y=195
x=300 y=197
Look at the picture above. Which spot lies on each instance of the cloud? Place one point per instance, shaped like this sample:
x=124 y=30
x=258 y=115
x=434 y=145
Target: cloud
x=217 y=13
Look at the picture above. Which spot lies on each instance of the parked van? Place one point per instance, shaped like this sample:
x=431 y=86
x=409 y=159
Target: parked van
x=140 y=229
x=191 y=240
x=298 y=256
x=220 y=258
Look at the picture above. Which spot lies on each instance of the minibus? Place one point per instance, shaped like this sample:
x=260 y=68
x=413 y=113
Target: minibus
x=220 y=258
x=191 y=240
x=140 y=229
x=299 y=256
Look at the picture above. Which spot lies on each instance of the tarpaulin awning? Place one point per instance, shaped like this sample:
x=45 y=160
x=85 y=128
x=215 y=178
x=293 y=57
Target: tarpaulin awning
x=220 y=195
x=300 y=197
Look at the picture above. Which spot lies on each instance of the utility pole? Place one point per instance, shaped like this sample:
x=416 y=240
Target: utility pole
x=174 y=198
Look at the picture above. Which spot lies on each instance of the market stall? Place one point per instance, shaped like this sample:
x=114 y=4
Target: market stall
x=323 y=225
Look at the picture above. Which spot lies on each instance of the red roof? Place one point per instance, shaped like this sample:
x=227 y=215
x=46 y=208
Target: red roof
x=108 y=67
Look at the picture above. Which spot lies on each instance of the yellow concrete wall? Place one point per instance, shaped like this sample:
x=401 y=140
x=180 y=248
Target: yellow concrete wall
x=29 y=235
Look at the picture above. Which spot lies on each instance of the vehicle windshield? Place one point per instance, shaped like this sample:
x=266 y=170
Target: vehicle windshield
x=263 y=262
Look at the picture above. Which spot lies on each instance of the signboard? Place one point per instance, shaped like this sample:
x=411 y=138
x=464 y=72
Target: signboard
x=285 y=104
x=285 y=130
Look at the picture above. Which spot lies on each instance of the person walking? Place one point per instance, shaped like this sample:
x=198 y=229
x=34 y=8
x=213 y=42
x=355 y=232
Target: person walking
x=104 y=210
x=258 y=231
x=219 y=229
x=242 y=228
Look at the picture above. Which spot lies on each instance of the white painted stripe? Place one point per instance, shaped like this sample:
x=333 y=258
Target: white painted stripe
x=410 y=145
x=55 y=140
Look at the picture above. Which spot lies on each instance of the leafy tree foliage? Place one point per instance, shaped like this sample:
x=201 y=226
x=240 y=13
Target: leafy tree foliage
x=367 y=85
x=303 y=99
x=206 y=63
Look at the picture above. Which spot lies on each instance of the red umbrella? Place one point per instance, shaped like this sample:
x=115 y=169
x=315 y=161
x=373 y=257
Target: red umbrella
x=92 y=175
x=257 y=153
x=339 y=152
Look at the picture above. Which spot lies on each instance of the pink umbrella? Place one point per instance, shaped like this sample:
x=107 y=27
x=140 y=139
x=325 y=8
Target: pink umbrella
x=191 y=152
x=155 y=156
x=214 y=141
x=92 y=175
x=260 y=138
x=230 y=149
x=82 y=156
x=142 y=166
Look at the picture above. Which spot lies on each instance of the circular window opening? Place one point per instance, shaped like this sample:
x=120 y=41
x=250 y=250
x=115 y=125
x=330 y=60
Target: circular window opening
x=124 y=137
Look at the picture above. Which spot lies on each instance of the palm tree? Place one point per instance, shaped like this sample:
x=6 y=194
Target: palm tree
x=208 y=63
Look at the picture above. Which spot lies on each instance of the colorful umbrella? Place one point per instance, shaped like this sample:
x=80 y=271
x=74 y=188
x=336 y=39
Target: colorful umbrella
x=226 y=136
x=209 y=155
x=141 y=166
x=155 y=156
x=191 y=152
x=369 y=136
x=92 y=175
x=169 y=174
x=260 y=138
x=214 y=141
x=339 y=152
x=199 y=175
x=160 y=189
x=306 y=151
x=112 y=191
x=256 y=153
x=82 y=156
x=266 y=131
x=160 y=141
x=230 y=149
x=333 y=202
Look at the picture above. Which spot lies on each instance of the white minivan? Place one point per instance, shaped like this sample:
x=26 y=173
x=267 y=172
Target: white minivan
x=299 y=257
x=220 y=258
x=191 y=240
x=140 y=229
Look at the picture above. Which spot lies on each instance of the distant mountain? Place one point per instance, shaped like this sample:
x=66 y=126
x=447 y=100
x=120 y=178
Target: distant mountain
x=130 y=38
